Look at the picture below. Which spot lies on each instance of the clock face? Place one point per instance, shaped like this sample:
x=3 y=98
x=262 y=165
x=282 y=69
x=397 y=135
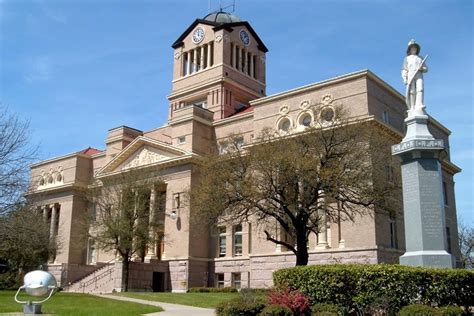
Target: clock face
x=244 y=37
x=198 y=35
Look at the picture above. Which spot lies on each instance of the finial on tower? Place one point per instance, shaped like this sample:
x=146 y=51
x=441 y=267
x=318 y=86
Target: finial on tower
x=222 y=7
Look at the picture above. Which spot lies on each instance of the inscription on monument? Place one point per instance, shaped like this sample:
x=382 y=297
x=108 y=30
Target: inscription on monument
x=417 y=144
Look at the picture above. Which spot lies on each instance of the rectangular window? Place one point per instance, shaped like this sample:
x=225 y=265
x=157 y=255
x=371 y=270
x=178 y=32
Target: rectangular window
x=177 y=202
x=255 y=67
x=231 y=54
x=385 y=117
x=448 y=239
x=185 y=63
x=393 y=233
x=239 y=142
x=191 y=61
x=248 y=63
x=236 y=280
x=238 y=240
x=198 y=58
x=211 y=57
x=220 y=280
x=223 y=148
x=181 y=140
x=445 y=193
x=199 y=103
x=237 y=57
x=222 y=242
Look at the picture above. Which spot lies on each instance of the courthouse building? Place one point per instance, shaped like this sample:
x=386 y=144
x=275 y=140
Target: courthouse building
x=219 y=89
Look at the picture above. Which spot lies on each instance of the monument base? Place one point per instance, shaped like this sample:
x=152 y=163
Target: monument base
x=31 y=309
x=433 y=259
x=417 y=128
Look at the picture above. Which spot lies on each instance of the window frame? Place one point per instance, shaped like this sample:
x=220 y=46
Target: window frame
x=222 y=242
x=237 y=246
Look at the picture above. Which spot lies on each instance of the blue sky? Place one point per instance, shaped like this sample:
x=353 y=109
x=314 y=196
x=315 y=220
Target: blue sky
x=76 y=68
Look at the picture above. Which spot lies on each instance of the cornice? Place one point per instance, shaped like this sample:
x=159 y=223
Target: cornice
x=189 y=158
x=233 y=119
x=75 y=186
x=56 y=159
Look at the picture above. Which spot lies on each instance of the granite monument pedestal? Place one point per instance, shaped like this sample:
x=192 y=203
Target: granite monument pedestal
x=423 y=201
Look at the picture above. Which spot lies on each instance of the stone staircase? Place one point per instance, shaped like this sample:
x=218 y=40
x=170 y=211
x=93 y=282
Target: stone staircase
x=99 y=281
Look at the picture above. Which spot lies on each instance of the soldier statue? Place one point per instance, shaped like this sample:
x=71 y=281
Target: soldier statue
x=412 y=73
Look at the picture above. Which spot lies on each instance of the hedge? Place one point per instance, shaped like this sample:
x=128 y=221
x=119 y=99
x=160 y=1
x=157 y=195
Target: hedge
x=423 y=310
x=239 y=307
x=212 y=290
x=388 y=287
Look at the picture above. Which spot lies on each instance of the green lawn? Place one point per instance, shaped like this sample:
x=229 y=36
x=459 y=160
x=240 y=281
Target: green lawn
x=78 y=305
x=207 y=300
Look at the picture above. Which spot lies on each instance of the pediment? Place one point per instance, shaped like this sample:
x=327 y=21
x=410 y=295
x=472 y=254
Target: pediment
x=143 y=152
x=146 y=155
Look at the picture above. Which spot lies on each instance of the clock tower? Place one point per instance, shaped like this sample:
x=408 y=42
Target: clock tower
x=219 y=65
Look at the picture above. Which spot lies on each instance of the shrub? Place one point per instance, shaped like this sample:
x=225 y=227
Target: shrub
x=297 y=302
x=238 y=307
x=366 y=288
x=418 y=309
x=451 y=311
x=11 y=280
x=212 y=290
x=321 y=309
x=276 y=310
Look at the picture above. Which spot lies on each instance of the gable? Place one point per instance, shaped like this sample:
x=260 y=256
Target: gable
x=144 y=156
x=143 y=152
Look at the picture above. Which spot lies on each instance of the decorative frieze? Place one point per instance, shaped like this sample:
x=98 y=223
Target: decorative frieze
x=51 y=178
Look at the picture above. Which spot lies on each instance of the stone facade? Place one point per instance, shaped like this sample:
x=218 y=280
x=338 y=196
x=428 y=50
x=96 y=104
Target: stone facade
x=218 y=90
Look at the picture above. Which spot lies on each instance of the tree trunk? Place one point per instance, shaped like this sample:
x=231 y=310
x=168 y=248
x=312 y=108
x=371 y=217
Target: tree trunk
x=125 y=270
x=301 y=248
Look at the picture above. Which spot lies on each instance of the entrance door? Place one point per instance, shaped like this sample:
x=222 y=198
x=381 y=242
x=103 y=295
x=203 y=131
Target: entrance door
x=158 y=282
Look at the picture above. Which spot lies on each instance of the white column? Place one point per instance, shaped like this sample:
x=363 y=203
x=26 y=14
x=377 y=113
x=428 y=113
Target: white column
x=202 y=57
x=252 y=70
x=189 y=63
x=323 y=233
x=44 y=209
x=151 y=254
x=195 y=59
x=278 y=236
x=52 y=227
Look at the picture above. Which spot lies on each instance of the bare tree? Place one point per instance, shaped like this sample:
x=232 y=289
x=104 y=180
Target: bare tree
x=122 y=219
x=332 y=171
x=15 y=156
x=25 y=239
x=466 y=245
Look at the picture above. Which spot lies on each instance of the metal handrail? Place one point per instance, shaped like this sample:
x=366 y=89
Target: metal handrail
x=108 y=271
x=70 y=284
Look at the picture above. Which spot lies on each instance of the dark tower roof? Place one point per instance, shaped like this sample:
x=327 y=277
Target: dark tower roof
x=221 y=17
x=220 y=20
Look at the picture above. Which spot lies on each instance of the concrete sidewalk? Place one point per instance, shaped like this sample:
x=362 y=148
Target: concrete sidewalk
x=169 y=309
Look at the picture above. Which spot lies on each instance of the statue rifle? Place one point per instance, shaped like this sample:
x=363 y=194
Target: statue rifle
x=419 y=67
